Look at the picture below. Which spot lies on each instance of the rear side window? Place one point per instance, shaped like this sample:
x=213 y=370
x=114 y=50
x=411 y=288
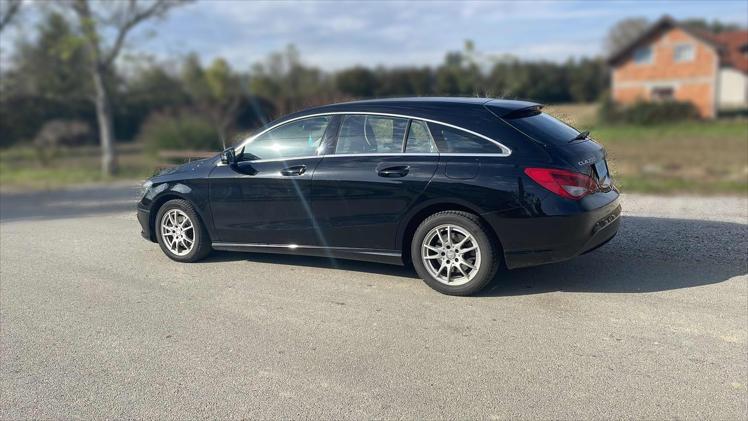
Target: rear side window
x=371 y=134
x=451 y=140
x=419 y=139
x=544 y=128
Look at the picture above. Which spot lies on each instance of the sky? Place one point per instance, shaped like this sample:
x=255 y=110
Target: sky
x=339 y=34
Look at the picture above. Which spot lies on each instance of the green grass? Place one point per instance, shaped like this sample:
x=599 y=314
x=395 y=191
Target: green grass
x=702 y=157
x=701 y=130
x=665 y=185
x=58 y=177
x=20 y=168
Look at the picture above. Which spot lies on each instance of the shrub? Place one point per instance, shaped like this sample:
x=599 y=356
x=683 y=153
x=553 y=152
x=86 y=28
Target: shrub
x=178 y=131
x=647 y=113
x=58 y=133
x=733 y=113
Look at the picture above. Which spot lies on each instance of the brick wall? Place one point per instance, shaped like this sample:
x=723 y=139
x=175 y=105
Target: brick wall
x=690 y=80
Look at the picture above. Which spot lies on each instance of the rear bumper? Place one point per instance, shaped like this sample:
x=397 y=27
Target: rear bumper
x=144 y=218
x=549 y=239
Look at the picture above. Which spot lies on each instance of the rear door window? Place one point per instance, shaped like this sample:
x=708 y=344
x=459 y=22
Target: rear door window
x=451 y=140
x=543 y=128
x=419 y=139
x=361 y=134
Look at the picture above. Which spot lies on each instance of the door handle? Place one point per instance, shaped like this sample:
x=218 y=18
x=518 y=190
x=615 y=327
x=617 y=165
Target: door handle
x=296 y=170
x=391 y=172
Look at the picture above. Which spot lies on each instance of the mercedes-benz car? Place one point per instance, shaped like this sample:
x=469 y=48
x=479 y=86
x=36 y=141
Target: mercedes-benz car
x=457 y=187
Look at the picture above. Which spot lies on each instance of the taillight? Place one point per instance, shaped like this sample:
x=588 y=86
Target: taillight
x=567 y=184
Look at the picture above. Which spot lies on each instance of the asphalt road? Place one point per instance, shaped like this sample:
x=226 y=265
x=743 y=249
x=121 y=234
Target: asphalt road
x=97 y=322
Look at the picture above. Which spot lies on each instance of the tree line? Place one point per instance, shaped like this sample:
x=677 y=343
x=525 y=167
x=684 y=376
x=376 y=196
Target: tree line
x=67 y=72
x=49 y=78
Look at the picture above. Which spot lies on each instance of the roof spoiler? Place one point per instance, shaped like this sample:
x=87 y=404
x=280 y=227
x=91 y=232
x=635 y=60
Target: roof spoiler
x=524 y=112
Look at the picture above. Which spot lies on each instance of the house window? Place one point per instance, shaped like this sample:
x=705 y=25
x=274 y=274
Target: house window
x=683 y=52
x=662 y=93
x=643 y=55
x=744 y=49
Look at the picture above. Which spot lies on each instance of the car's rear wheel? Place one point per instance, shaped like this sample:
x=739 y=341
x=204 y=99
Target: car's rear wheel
x=454 y=254
x=180 y=232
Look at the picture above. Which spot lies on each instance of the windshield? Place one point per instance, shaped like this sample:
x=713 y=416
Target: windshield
x=544 y=128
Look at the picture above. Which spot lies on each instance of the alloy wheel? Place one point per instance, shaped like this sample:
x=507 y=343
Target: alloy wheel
x=177 y=232
x=451 y=254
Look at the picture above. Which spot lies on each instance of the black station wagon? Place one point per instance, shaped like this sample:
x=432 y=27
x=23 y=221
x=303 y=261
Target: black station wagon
x=455 y=186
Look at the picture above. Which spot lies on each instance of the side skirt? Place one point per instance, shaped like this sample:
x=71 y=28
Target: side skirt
x=390 y=257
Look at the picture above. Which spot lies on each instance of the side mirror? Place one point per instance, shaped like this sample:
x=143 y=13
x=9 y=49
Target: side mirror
x=228 y=156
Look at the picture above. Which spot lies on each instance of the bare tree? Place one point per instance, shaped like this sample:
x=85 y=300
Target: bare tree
x=8 y=11
x=623 y=33
x=122 y=19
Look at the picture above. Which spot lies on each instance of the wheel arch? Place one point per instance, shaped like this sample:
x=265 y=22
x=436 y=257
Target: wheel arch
x=416 y=216
x=159 y=201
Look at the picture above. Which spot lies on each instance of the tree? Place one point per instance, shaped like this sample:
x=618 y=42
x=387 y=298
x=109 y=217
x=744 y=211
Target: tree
x=121 y=19
x=624 y=32
x=54 y=65
x=461 y=74
x=45 y=79
x=289 y=84
x=587 y=79
x=404 y=81
x=447 y=81
x=421 y=80
x=713 y=26
x=215 y=91
x=155 y=88
x=8 y=11
x=358 y=82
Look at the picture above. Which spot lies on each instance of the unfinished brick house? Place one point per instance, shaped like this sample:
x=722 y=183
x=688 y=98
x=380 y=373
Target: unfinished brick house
x=670 y=61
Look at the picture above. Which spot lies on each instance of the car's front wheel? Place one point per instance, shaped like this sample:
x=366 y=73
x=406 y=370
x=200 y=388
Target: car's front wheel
x=453 y=253
x=180 y=232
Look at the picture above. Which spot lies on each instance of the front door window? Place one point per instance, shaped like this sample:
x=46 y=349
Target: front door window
x=292 y=140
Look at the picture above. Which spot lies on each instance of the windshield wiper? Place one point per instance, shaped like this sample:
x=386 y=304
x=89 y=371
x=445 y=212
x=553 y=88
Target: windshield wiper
x=581 y=135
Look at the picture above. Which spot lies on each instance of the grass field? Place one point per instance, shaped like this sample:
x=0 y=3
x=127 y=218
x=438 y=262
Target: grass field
x=20 y=169
x=697 y=157
x=709 y=157
x=702 y=157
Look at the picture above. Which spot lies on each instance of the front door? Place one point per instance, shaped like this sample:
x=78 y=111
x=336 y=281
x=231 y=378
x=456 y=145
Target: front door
x=362 y=190
x=265 y=197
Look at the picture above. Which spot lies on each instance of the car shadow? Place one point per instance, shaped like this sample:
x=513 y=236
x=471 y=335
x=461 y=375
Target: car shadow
x=647 y=255
x=309 y=261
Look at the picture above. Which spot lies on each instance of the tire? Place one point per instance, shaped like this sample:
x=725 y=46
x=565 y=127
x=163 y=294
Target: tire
x=461 y=279
x=176 y=249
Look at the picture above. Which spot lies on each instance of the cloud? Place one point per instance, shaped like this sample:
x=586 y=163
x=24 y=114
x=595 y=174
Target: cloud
x=337 y=34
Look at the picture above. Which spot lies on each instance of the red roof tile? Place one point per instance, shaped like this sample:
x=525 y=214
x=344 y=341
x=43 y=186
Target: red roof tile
x=733 y=49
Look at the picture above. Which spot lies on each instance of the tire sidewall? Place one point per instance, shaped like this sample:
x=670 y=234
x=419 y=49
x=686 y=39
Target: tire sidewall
x=196 y=223
x=488 y=257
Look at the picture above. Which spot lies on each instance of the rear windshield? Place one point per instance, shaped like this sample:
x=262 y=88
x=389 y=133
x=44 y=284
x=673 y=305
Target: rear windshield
x=543 y=128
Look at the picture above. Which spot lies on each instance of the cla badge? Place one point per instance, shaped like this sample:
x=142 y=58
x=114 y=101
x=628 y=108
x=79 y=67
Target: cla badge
x=586 y=161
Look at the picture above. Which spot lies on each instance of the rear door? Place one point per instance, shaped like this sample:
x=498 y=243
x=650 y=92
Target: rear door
x=378 y=168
